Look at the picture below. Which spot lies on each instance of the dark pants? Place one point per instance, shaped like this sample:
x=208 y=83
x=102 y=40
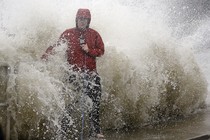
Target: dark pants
x=88 y=84
x=93 y=90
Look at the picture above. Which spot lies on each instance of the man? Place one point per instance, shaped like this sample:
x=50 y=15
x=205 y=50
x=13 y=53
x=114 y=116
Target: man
x=84 y=45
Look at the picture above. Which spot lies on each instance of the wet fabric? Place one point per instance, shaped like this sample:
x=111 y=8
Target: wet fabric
x=75 y=55
x=85 y=85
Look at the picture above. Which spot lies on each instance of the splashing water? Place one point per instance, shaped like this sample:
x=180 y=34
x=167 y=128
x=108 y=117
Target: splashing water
x=148 y=75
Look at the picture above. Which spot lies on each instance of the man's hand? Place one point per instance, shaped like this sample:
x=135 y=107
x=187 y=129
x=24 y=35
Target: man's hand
x=85 y=48
x=44 y=57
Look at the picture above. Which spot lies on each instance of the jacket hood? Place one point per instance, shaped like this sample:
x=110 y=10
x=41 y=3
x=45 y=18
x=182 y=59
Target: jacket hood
x=83 y=13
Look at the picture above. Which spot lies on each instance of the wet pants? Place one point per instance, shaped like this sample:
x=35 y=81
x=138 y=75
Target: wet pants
x=91 y=87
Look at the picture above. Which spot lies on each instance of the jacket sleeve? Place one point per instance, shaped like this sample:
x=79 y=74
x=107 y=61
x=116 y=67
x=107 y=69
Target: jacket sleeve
x=98 y=49
x=49 y=50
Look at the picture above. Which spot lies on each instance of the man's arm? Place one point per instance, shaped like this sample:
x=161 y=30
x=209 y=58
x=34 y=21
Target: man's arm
x=49 y=50
x=47 y=53
x=98 y=50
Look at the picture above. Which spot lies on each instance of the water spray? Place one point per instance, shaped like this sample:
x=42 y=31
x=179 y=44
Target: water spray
x=82 y=41
x=5 y=70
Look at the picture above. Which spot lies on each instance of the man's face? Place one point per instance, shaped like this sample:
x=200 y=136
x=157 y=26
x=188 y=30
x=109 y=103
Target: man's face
x=82 y=23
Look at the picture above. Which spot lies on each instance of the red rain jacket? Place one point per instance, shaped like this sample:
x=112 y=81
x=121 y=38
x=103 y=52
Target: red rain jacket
x=75 y=55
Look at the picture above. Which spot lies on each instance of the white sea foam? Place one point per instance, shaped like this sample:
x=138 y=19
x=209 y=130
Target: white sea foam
x=148 y=73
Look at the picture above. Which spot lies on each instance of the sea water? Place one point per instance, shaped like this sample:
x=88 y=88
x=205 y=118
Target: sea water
x=154 y=71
